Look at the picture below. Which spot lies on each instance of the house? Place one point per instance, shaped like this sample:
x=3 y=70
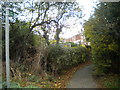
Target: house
x=78 y=39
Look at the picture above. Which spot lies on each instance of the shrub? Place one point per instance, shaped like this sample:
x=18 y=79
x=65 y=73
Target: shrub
x=105 y=39
x=33 y=78
x=62 y=57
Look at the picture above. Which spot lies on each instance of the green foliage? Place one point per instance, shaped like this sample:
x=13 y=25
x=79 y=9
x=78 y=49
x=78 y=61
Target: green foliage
x=102 y=30
x=16 y=85
x=33 y=78
x=30 y=86
x=23 y=43
x=50 y=78
x=111 y=81
x=20 y=40
x=73 y=44
x=12 y=85
x=55 y=51
x=62 y=58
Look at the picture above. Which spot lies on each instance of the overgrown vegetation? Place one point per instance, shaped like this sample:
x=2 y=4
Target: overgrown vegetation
x=72 y=44
x=34 y=60
x=37 y=65
x=103 y=31
x=60 y=58
x=109 y=81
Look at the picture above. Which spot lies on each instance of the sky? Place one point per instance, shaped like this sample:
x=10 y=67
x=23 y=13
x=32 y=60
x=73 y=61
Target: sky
x=75 y=29
x=74 y=23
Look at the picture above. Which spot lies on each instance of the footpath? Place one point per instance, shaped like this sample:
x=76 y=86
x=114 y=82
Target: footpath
x=83 y=79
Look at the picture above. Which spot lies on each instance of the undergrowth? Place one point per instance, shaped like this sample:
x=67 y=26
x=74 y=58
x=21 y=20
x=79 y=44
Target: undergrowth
x=109 y=81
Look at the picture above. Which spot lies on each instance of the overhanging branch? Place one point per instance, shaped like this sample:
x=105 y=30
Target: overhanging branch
x=44 y=22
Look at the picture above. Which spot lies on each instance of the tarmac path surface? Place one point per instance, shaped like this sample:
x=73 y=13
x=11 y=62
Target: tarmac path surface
x=83 y=79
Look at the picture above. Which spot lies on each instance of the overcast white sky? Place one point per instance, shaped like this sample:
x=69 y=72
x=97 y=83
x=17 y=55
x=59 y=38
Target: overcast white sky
x=87 y=10
x=75 y=29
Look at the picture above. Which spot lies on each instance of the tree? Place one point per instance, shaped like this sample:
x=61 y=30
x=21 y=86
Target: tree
x=24 y=48
x=49 y=14
x=102 y=30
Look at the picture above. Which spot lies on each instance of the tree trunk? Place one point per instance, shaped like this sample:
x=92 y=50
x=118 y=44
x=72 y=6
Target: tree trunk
x=58 y=30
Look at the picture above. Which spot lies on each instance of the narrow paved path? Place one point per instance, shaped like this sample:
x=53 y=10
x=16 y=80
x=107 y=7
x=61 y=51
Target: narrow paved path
x=83 y=79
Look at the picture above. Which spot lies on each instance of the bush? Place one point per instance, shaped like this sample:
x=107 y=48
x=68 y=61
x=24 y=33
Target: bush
x=63 y=57
x=111 y=81
x=73 y=44
x=33 y=78
x=105 y=39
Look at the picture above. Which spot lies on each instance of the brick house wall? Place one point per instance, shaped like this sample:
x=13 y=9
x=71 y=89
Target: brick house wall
x=77 y=37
